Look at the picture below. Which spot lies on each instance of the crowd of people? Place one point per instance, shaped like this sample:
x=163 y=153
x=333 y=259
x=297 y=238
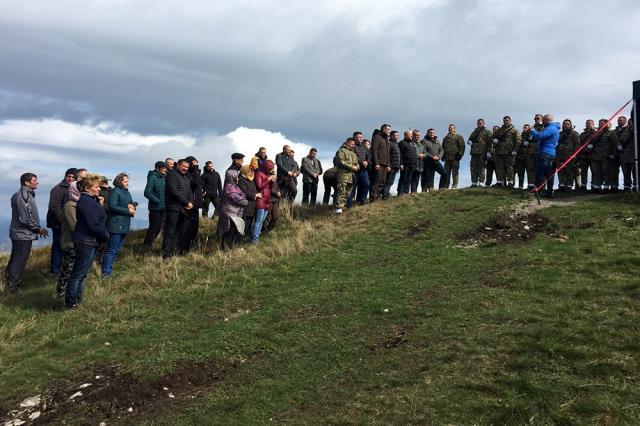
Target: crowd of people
x=89 y=220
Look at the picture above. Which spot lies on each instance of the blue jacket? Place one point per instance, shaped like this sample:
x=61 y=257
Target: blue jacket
x=548 y=138
x=119 y=219
x=91 y=222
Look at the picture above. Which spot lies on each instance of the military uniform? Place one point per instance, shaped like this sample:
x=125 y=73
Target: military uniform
x=453 y=148
x=521 y=163
x=480 y=141
x=345 y=159
x=508 y=142
x=531 y=146
x=599 y=152
x=624 y=149
x=568 y=142
x=584 y=159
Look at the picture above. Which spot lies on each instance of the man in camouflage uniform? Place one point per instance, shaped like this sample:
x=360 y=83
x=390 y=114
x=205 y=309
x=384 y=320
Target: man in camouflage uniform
x=599 y=149
x=453 y=150
x=531 y=146
x=584 y=157
x=522 y=156
x=623 y=138
x=480 y=142
x=491 y=158
x=568 y=142
x=347 y=163
x=507 y=142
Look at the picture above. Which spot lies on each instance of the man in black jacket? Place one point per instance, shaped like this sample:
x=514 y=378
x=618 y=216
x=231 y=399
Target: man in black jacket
x=57 y=197
x=178 y=205
x=408 y=161
x=212 y=188
x=394 y=163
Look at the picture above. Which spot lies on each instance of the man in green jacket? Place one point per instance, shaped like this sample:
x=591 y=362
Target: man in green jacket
x=380 y=161
x=154 y=192
x=507 y=141
x=480 y=142
x=625 y=151
x=531 y=146
x=347 y=163
x=433 y=155
x=453 y=148
x=584 y=157
x=568 y=142
x=600 y=148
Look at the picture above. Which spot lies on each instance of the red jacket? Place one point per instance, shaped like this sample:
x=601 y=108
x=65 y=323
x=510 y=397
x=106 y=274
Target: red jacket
x=264 y=187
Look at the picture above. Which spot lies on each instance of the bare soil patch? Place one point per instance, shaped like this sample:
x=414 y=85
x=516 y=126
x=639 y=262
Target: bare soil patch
x=511 y=227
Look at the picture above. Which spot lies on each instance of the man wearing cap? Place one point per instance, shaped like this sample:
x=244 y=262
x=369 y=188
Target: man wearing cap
x=212 y=188
x=57 y=198
x=237 y=159
x=154 y=192
x=104 y=191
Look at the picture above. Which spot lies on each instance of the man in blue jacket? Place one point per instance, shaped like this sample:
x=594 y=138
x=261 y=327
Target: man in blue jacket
x=547 y=143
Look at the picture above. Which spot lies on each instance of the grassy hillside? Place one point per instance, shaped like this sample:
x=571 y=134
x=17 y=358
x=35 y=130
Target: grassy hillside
x=438 y=308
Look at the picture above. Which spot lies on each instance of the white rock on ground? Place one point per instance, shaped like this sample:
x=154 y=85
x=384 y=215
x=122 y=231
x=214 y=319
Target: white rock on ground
x=30 y=402
x=75 y=395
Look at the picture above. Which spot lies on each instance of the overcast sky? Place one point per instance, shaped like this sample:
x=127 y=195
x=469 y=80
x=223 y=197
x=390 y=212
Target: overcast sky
x=115 y=85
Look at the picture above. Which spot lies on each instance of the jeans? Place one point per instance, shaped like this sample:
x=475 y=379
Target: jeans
x=156 y=220
x=430 y=169
x=406 y=175
x=258 y=220
x=20 y=252
x=391 y=178
x=113 y=248
x=360 y=189
x=56 y=250
x=81 y=267
x=544 y=169
x=309 y=191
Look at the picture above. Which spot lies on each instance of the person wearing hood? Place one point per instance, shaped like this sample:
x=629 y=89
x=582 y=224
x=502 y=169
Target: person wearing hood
x=154 y=192
x=121 y=210
x=230 y=224
x=57 y=198
x=264 y=181
x=547 y=143
x=25 y=228
x=246 y=182
x=568 y=142
x=212 y=189
x=177 y=193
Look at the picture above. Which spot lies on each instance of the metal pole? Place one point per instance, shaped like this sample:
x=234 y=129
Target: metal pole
x=635 y=139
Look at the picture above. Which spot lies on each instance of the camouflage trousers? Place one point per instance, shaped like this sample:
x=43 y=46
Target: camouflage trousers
x=451 y=173
x=531 y=170
x=521 y=170
x=68 y=258
x=598 y=170
x=478 y=163
x=345 y=183
x=504 y=168
x=613 y=173
x=568 y=175
x=583 y=170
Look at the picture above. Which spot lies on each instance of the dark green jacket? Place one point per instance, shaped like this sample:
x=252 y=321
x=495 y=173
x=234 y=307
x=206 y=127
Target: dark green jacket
x=154 y=191
x=453 y=147
x=623 y=138
x=480 y=141
x=119 y=219
x=567 y=144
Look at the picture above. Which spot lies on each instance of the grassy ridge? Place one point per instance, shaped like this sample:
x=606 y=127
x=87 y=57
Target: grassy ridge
x=544 y=331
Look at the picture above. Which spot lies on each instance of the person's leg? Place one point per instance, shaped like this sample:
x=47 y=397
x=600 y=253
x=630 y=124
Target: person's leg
x=185 y=228
x=596 y=175
x=366 y=187
x=500 y=170
x=205 y=206
x=156 y=219
x=474 y=168
x=455 y=173
x=445 y=180
x=56 y=251
x=113 y=248
x=81 y=266
x=390 y=181
x=306 y=192
x=20 y=252
x=437 y=168
x=490 y=169
x=258 y=220
x=510 y=170
x=170 y=233
x=627 y=169
x=327 y=193
x=65 y=271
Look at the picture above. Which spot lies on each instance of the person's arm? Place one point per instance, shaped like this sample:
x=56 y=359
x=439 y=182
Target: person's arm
x=542 y=134
x=262 y=182
x=57 y=202
x=320 y=171
x=305 y=167
x=26 y=217
x=70 y=216
x=461 y=146
x=149 y=191
x=219 y=184
x=115 y=204
x=171 y=186
x=282 y=170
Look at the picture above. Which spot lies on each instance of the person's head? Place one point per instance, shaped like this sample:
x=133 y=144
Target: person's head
x=70 y=175
x=231 y=175
x=262 y=153
x=286 y=150
x=603 y=123
x=237 y=159
x=385 y=129
x=415 y=135
x=161 y=167
x=182 y=166
x=357 y=137
x=480 y=122
x=366 y=143
x=452 y=129
x=104 y=182
x=408 y=134
x=193 y=163
x=495 y=128
x=506 y=120
x=537 y=118
x=622 y=121
x=548 y=118
x=247 y=172
x=526 y=127
x=431 y=133
x=313 y=153
x=90 y=184
x=208 y=166
x=350 y=143
x=394 y=135
x=268 y=167
x=80 y=174
x=121 y=181
x=567 y=125
x=589 y=124
x=29 y=180
x=170 y=163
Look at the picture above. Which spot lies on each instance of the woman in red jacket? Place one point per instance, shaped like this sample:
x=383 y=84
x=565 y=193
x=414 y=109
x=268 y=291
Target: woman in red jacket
x=264 y=179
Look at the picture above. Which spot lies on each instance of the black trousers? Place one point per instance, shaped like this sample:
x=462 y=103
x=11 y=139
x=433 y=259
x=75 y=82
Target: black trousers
x=156 y=220
x=216 y=205
x=430 y=169
x=176 y=224
x=20 y=252
x=406 y=176
x=309 y=192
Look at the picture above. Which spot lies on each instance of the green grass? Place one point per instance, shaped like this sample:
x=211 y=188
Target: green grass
x=544 y=331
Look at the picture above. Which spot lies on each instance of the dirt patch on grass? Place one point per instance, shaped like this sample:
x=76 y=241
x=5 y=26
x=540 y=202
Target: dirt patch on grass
x=516 y=226
x=419 y=228
x=396 y=337
x=105 y=394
